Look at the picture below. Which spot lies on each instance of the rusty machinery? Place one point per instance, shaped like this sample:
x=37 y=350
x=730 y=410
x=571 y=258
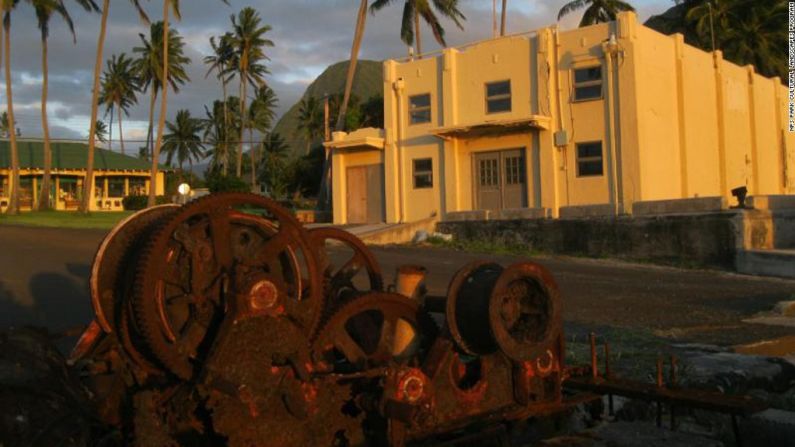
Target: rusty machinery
x=225 y=322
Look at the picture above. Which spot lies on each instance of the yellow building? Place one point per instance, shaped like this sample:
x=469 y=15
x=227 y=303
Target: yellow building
x=115 y=176
x=609 y=119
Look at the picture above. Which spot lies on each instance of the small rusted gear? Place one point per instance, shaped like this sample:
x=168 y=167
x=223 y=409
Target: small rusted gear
x=342 y=280
x=373 y=331
x=525 y=311
x=192 y=269
x=113 y=258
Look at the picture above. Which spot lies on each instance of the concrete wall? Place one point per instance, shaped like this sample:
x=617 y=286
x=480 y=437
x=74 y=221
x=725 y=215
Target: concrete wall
x=696 y=240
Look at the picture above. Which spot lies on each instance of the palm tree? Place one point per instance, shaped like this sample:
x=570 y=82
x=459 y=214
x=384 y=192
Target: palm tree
x=183 y=141
x=89 y=179
x=44 y=12
x=5 y=129
x=218 y=126
x=414 y=9
x=223 y=61
x=310 y=120
x=272 y=169
x=101 y=131
x=260 y=118
x=6 y=6
x=504 y=17
x=597 y=11
x=119 y=88
x=249 y=42
x=361 y=21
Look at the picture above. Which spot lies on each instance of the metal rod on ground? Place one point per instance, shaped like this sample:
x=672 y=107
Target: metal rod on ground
x=608 y=375
x=736 y=429
x=594 y=368
x=659 y=385
x=673 y=380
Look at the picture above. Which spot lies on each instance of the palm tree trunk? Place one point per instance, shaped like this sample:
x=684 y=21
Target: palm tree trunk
x=225 y=155
x=163 y=110
x=253 y=156
x=152 y=100
x=44 y=194
x=361 y=21
x=110 y=128
x=239 y=167
x=85 y=204
x=13 y=203
x=502 y=24
x=121 y=133
x=417 y=33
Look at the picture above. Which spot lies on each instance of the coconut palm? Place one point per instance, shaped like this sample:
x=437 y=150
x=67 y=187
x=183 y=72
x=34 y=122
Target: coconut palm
x=310 y=120
x=5 y=129
x=101 y=131
x=89 y=179
x=218 y=127
x=183 y=141
x=223 y=61
x=44 y=11
x=413 y=10
x=119 y=89
x=272 y=172
x=757 y=35
x=596 y=11
x=249 y=42
x=260 y=118
x=6 y=7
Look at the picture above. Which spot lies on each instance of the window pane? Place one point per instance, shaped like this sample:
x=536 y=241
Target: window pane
x=499 y=105
x=514 y=172
x=488 y=172
x=590 y=92
x=3 y=185
x=498 y=88
x=589 y=168
x=137 y=186
x=589 y=150
x=420 y=116
x=420 y=101
x=588 y=74
x=424 y=164
x=115 y=187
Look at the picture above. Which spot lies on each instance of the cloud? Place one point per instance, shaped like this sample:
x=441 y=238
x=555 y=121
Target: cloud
x=309 y=36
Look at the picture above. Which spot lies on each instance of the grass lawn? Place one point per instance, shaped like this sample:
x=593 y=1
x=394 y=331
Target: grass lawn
x=66 y=219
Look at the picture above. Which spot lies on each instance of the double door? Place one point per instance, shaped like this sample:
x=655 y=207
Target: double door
x=500 y=180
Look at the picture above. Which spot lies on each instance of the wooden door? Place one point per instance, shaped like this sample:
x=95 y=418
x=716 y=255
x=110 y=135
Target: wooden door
x=487 y=181
x=356 y=187
x=500 y=180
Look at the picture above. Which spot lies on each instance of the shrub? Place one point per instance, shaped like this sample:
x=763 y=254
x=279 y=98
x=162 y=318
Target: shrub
x=228 y=183
x=135 y=203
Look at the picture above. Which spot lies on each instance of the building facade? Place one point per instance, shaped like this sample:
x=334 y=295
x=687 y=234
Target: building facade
x=115 y=176
x=609 y=119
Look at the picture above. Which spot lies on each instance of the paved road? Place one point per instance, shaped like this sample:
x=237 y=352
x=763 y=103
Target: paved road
x=43 y=281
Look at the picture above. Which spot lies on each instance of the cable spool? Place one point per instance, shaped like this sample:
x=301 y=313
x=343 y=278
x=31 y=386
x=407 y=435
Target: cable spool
x=468 y=305
x=515 y=309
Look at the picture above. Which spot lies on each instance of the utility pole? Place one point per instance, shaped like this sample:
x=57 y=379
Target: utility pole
x=504 y=17
x=494 y=18
x=326 y=124
x=711 y=25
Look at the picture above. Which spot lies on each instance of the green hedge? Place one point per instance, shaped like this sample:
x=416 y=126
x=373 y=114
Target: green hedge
x=135 y=203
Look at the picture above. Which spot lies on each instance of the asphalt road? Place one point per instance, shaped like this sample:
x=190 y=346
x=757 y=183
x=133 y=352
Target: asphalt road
x=44 y=273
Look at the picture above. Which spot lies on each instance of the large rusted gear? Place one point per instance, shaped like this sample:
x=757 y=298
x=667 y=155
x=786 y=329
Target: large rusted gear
x=210 y=257
x=373 y=331
x=113 y=258
x=340 y=278
x=525 y=311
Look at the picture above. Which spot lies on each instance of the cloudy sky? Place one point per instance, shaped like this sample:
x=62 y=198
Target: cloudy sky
x=309 y=35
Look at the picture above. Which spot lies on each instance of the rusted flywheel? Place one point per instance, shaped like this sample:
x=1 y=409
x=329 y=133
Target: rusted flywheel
x=113 y=259
x=231 y=252
x=372 y=331
x=341 y=277
x=525 y=311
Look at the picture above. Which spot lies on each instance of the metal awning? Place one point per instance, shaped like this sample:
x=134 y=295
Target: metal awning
x=494 y=127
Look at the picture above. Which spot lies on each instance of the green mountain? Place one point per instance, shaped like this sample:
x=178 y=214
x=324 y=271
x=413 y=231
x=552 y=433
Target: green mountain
x=367 y=82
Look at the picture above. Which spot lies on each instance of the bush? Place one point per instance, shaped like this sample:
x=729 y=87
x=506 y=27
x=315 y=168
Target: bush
x=135 y=203
x=228 y=183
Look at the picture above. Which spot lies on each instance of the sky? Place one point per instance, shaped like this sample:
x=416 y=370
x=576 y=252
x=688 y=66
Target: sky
x=309 y=35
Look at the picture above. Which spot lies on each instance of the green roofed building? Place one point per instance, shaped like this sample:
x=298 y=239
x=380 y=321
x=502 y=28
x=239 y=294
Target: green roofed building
x=115 y=175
